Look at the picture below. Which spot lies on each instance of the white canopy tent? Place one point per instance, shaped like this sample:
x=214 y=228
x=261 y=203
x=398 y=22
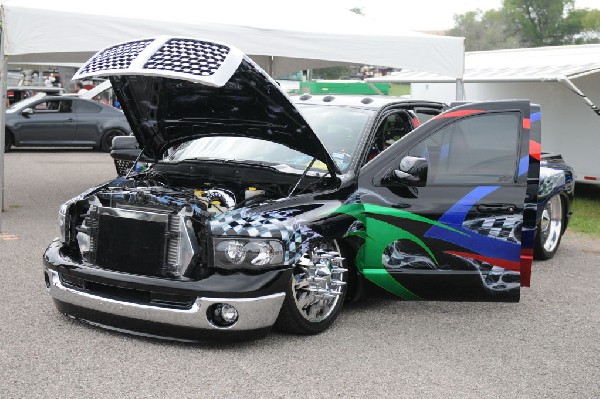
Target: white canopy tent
x=281 y=41
x=70 y=31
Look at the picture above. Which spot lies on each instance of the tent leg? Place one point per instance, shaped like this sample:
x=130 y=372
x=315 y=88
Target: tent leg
x=460 y=90
x=3 y=75
x=271 y=62
x=577 y=91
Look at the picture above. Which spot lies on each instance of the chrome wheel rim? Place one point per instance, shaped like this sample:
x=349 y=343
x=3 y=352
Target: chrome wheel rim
x=551 y=223
x=318 y=282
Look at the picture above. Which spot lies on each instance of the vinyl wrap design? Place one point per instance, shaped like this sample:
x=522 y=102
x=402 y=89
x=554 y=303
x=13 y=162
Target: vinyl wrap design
x=393 y=249
x=281 y=224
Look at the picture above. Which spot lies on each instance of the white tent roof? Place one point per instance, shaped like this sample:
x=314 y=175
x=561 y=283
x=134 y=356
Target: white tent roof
x=42 y=31
x=519 y=65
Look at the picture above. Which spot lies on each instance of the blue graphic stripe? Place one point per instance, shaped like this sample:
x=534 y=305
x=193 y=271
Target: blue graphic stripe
x=455 y=216
x=483 y=245
x=523 y=165
x=536 y=116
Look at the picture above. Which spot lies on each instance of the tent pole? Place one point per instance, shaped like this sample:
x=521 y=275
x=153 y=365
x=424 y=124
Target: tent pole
x=270 y=71
x=460 y=90
x=3 y=74
x=576 y=90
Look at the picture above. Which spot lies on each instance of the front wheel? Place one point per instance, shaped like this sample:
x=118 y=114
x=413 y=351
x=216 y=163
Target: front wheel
x=316 y=292
x=106 y=141
x=549 y=229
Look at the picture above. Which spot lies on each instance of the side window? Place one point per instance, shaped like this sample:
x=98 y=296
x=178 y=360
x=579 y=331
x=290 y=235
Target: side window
x=479 y=149
x=53 y=106
x=392 y=129
x=65 y=106
x=84 y=107
x=47 y=106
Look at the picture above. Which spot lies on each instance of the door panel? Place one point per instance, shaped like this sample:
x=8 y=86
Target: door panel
x=459 y=236
x=89 y=117
x=52 y=123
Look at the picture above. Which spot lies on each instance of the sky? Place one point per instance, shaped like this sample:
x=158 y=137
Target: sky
x=425 y=15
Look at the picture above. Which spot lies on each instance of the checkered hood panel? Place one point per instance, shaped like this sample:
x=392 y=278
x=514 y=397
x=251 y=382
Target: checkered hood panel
x=188 y=56
x=507 y=228
x=282 y=225
x=116 y=57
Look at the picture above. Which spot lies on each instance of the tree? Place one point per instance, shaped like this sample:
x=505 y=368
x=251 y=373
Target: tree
x=338 y=72
x=542 y=22
x=528 y=23
x=590 y=22
x=357 y=10
x=484 y=30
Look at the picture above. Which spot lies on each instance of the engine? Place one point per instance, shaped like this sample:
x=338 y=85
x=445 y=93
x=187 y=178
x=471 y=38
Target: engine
x=142 y=227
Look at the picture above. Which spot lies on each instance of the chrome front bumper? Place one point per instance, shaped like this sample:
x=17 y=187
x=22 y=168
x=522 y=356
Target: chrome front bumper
x=254 y=313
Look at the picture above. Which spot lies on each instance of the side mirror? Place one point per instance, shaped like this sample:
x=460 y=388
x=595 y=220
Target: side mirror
x=412 y=172
x=27 y=111
x=126 y=148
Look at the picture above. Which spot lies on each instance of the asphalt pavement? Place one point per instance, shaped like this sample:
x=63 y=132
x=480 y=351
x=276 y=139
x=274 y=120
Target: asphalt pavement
x=546 y=346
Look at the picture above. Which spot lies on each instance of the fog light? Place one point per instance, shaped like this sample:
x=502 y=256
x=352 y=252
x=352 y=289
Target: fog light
x=222 y=315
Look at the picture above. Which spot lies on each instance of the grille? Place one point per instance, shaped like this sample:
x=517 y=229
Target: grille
x=127 y=244
x=116 y=57
x=141 y=296
x=188 y=56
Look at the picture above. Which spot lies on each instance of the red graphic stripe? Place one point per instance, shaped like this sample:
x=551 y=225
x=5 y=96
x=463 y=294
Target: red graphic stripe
x=415 y=121
x=535 y=149
x=457 y=114
x=503 y=263
x=526 y=123
x=526 y=262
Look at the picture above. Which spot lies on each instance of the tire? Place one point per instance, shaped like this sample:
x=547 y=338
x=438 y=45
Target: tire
x=306 y=311
x=549 y=229
x=8 y=140
x=106 y=141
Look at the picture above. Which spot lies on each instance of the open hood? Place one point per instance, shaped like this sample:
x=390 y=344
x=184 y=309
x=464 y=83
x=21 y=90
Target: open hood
x=177 y=89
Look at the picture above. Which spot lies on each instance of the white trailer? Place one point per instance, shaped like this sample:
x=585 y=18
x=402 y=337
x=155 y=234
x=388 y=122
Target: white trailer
x=564 y=80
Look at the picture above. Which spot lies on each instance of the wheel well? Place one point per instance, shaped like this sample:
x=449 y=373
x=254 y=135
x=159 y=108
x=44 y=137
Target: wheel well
x=564 y=203
x=355 y=280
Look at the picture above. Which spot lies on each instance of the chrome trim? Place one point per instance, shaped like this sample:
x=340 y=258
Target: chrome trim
x=318 y=283
x=187 y=244
x=551 y=223
x=254 y=313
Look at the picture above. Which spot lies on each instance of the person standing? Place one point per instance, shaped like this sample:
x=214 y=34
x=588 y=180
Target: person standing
x=80 y=89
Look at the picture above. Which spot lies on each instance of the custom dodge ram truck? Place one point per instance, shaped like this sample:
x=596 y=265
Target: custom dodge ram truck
x=259 y=212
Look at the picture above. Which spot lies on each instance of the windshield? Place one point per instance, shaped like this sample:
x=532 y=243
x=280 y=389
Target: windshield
x=339 y=128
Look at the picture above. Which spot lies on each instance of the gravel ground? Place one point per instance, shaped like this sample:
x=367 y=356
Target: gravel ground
x=547 y=346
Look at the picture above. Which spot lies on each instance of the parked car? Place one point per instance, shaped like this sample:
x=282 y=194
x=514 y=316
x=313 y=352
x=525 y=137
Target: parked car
x=258 y=212
x=63 y=121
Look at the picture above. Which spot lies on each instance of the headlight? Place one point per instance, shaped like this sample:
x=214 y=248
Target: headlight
x=63 y=221
x=247 y=253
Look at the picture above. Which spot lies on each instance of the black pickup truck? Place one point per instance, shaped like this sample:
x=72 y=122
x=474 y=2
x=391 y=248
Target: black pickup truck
x=258 y=211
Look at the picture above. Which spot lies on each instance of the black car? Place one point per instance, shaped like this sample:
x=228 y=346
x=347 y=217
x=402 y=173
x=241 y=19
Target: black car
x=256 y=212
x=61 y=121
